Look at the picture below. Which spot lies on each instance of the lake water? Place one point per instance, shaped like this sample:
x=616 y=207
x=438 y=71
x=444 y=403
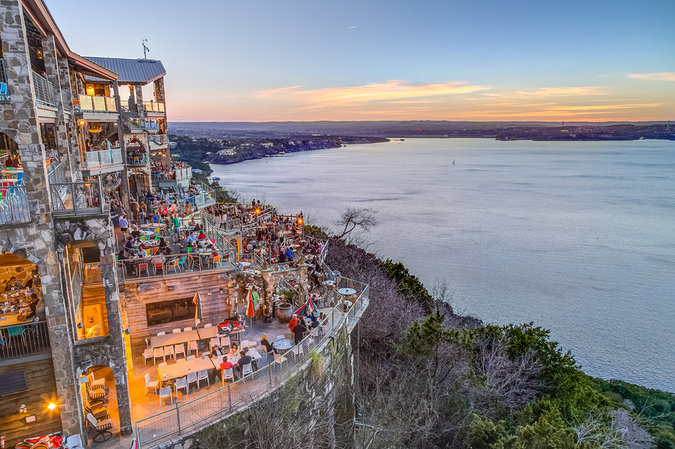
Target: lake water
x=578 y=237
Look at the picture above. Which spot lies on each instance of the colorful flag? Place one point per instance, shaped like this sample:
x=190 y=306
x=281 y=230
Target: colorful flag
x=250 y=308
x=256 y=298
x=198 y=311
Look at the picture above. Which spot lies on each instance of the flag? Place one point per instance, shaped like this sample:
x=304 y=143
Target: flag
x=256 y=298
x=250 y=308
x=198 y=310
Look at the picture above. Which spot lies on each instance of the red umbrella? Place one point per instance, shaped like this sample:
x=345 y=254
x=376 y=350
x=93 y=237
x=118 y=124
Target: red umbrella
x=250 y=309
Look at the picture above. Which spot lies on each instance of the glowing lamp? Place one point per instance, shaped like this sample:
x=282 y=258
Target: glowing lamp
x=51 y=406
x=299 y=220
x=87 y=185
x=81 y=122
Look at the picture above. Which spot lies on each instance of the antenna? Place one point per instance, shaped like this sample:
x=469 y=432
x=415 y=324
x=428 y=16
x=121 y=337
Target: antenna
x=146 y=49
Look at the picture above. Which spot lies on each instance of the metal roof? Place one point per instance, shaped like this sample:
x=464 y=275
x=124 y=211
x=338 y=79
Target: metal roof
x=138 y=71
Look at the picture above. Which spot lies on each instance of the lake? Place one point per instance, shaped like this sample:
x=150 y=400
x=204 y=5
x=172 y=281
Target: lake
x=578 y=237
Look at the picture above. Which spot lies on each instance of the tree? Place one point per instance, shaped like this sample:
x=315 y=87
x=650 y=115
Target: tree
x=353 y=218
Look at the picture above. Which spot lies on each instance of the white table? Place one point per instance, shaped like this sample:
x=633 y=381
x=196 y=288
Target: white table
x=183 y=368
x=183 y=337
x=282 y=345
x=346 y=291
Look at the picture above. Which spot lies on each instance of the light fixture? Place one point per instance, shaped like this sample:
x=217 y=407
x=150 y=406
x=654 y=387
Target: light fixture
x=51 y=406
x=299 y=220
x=81 y=122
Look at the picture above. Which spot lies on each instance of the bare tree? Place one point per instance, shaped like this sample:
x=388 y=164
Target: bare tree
x=615 y=429
x=352 y=218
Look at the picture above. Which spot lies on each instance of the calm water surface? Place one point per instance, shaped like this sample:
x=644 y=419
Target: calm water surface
x=578 y=237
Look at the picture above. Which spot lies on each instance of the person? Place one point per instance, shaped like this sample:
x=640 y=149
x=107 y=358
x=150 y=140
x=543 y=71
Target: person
x=315 y=322
x=216 y=351
x=13 y=284
x=190 y=239
x=201 y=236
x=223 y=366
x=9 y=162
x=293 y=322
x=124 y=224
x=244 y=359
x=299 y=332
x=234 y=350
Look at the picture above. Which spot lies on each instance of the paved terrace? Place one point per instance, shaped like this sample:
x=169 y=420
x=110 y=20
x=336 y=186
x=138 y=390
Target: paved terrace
x=156 y=424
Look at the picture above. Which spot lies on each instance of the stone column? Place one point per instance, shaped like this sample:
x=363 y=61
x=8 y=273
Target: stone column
x=139 y=100
x=67 y=128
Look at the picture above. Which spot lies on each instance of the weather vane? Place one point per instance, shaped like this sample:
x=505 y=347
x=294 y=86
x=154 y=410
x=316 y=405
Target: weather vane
x=145 y=49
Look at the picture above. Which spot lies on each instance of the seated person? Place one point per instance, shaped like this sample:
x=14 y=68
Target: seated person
x=266 y=344
x=223 y=366
x=217 y=351
x=201 y=236
x=244 y=359
x=234 y=350
x=13 y=284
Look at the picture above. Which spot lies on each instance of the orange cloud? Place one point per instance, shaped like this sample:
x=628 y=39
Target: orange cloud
x=657 y=76
x=393 y=90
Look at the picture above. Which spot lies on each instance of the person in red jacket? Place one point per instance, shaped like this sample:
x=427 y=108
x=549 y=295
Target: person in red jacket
x=293 y=322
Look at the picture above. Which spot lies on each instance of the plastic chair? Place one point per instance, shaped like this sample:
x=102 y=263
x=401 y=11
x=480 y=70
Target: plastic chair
x=179 y=349
x=153 y=384
x=192 y=379
x=202 y=375
x=173 y=264
x=190 y=357
x=158 y=266
x=192 y=346
x=245 y=370
x=228 y=375
x=182 y=263
x=159 y=334
x=168 y=352
x=208 y=325
x=143 y=267
x=165 y=392
x=187 y=329
x=148 y=354
x=176 y=331
x=182 y=384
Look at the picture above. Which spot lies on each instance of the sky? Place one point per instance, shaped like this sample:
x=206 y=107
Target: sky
x=478 y=60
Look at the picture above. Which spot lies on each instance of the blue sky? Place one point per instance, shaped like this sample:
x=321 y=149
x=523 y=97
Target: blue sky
x=379 y=60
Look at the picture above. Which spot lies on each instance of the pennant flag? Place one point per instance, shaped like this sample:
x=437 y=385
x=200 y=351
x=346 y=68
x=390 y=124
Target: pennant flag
x=308 y=309
x=250 y=308
x=256 y=298
x=198 y=311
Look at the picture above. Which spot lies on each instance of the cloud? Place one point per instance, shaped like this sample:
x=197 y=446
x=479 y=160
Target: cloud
x=606 y=107
x=561 y=91
x=656 y=76
x=388 y=91
x=352 y=27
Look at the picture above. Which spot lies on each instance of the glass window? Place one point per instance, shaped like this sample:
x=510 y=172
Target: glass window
x=170 y=311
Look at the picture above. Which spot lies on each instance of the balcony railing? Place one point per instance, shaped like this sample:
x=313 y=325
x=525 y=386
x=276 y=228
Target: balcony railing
x=23 y=340
x=137 y=159
x=153 y=106
x=44 y=91
x=97 y=103
x=77 y=198
x=13 y=205
x=97 y=160
x=56 y=173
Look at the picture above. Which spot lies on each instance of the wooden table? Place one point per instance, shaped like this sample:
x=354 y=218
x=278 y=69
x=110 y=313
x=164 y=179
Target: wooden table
x=183 y=337
x=10 y=319
x=182 y=369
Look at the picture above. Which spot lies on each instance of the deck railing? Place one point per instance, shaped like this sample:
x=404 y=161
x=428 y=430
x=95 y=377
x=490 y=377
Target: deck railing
x=132 y=269
x=44 y=91
x=97 y=103
x=102 y=159
x=13 y=205
x=23 y=340
x=191 y=416
x=77 y=198
x=153 y=106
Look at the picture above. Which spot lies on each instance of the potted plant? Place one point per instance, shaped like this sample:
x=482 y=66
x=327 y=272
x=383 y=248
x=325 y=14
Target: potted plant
x=285 y=310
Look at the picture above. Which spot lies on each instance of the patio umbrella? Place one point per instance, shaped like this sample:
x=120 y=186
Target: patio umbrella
x=307 y=309
x=198 y=311
x=250 y=308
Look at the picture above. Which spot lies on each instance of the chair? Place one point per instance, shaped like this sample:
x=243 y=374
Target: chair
x=280 y=337
x=213 y=342
x=182 y=263
x=147 y=343
x=158 y=353
x=205 y=355
x=225 y=341
x=143 y=267
x=158 y=266
x=165 y=392
x=244 y=344
x=192 y=379
x=173 y=264
x=150 y=383
x=147 y=354
x=102 y=428
x=162 y=364
x=159 y=334
x=216 y=261
x=168 y=352
x=179 y=349
x=176 y=331
x=228 y=375
x=246 y=369
x=182 y=384
x=190 y=357
x=208 y=325
x=192 y=346
x=187 y=329
x=202 y=375
x=97 y=409
x=95 y=394
x=279 y=359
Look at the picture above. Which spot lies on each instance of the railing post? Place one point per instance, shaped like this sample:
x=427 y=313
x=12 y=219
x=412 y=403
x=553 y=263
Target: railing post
x=101 y=198
x=178 y=417
x=229 y=396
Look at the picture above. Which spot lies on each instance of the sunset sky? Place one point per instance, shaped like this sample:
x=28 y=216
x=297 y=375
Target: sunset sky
x=263 y=60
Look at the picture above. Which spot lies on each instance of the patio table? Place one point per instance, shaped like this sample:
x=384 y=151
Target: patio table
x=181 y=369
x=282 y=345
x=346 y=291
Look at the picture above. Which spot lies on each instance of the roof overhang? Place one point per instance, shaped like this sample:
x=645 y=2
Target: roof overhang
x=43 y=19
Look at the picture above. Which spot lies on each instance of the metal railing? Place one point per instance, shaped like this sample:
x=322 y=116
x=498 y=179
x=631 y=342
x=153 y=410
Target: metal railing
x=191 y=416
x=102 y=159
x=153 y=106
x=23 y=339
x=137 y=160
x=77 y=198
x=97 y=103
x=14 y=205
x=56 y=173
x=44 y=91
x=131 y=269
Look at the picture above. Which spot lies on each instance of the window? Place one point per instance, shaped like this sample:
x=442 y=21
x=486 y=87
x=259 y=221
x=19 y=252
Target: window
x=170 y=311
x=13 y=382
